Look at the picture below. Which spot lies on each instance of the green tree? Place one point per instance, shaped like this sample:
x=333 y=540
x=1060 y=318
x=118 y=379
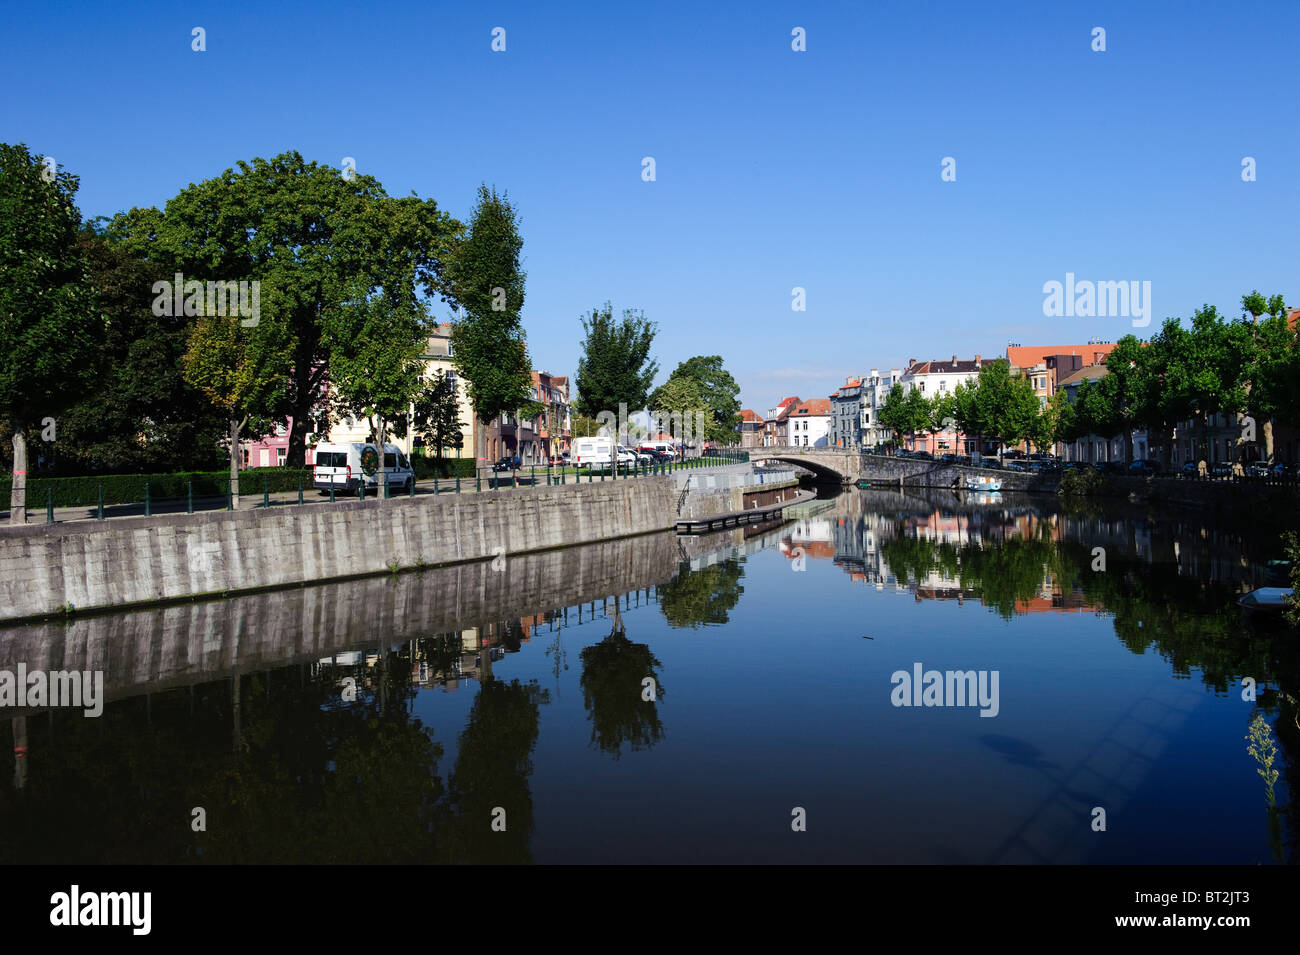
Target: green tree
x=719 y=392
x=484 y=277
x=1206 y=367
x=615 y=367
x=436 y=417
x=680 y=402
x=242 y=371
x=905 y=412
x=1272 y=388
x=308 y=234
x=142 y=416
x=374 y=346
x=50 y=327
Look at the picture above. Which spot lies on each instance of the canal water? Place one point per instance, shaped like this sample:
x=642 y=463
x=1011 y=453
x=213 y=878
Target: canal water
x=760 y=695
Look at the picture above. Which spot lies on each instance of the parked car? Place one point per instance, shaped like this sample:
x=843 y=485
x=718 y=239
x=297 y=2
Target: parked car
x=1072 y=465
x=923 y=455
x=1144 y=467
x=1041 y=467
x=1259 y=469
x=1283 y=470
x=510 y=462
x=1014 y=465
x=346 y=466
x=948 y=458
x=626 y=456
x=1222 y=469
x=1108 y=467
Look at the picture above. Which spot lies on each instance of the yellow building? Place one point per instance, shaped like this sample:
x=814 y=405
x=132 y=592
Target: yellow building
x=437 y=357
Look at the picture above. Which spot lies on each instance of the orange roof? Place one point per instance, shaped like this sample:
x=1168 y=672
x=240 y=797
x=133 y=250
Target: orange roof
x=1027 y=356
x=747 y=415
x=813 y=406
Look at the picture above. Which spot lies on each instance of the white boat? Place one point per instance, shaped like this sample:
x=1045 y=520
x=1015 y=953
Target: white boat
x=1270 y=599
x=972 y=483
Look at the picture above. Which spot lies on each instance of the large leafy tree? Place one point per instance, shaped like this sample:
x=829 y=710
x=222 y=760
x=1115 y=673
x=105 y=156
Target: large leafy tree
x=718 y=391
x=484 y=277
x=50 y=326
x=615 y=367
x=307 y=234
x=142 y=392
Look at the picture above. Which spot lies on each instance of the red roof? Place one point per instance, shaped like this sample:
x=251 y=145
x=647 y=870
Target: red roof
x=813 y=406
x=747 y=415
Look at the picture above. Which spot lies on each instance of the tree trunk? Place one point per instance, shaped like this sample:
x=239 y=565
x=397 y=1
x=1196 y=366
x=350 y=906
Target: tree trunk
x=1268 y=440
x=18 y=491
x=1128 y=445
x=381 y=438
x=235 y=427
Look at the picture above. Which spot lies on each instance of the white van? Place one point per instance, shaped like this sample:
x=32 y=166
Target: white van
x=344 y=466
x=592 y=452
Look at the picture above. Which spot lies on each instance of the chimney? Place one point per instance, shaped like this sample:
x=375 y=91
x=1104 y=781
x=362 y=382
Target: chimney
x=911 y=362
x=954 y=359
x=977 y=361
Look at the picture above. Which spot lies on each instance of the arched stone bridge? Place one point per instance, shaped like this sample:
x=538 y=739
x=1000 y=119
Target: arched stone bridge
x=831 y=464
x=849 y=467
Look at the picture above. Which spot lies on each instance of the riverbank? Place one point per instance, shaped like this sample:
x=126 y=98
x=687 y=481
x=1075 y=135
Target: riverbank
x=132 y=562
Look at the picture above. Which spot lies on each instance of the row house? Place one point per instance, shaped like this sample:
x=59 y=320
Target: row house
x=554 y=425
x=875 y=389
x=776 y=426
x=1094 y=449
x=809 y=423
x=846 y=415
x=934 y=379
x=750 y=429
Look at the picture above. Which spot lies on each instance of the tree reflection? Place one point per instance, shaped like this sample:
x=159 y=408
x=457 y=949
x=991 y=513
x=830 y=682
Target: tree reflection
x=613 y=672
x=492 y=769
x=697 y=598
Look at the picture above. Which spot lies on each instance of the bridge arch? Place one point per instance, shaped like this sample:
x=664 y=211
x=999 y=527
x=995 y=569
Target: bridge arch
x=829 y=464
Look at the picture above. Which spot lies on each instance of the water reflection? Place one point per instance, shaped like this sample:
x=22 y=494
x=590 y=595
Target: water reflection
x=307 y=733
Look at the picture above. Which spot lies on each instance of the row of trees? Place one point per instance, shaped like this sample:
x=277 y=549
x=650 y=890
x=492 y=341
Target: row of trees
x=1210 y=366
x=345 y=277
x=998 y=406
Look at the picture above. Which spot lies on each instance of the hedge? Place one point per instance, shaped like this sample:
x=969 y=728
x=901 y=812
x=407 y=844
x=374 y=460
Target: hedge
x=427 y=468
x=129 y=488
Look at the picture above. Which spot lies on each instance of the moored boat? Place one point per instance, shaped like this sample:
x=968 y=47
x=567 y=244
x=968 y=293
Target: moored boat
x=1265 y=599
x=982 y=483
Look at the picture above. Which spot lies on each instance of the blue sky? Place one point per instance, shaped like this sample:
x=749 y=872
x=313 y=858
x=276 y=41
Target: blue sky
x=775 y=168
